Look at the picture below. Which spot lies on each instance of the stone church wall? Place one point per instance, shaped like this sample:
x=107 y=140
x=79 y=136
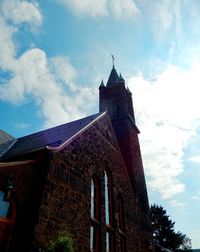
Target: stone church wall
x=65 y=201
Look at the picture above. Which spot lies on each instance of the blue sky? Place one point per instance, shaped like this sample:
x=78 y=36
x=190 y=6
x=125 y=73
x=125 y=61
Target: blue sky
x=53 y=55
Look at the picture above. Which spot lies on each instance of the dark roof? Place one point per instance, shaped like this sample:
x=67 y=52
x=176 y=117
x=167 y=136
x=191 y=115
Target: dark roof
x=5 y=137
x=6 y=141
x=115 y=79
x=51 y=137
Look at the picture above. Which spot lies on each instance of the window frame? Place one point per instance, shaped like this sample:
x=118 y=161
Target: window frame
x=108 y=187
x=95 y=217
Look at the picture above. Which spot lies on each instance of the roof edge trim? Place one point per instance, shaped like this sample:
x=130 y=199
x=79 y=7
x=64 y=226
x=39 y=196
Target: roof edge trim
x=63 y=145
x=5 y=164
x=11 y=145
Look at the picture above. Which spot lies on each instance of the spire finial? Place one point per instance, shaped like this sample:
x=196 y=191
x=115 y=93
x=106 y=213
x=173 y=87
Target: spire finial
x=113 y=60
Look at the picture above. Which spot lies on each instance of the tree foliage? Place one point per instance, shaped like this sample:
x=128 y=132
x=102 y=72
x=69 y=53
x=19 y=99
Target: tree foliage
x=62 y=243
x=164 y=233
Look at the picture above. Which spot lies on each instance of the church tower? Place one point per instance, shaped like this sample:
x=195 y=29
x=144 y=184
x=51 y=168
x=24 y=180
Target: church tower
x=117 y=100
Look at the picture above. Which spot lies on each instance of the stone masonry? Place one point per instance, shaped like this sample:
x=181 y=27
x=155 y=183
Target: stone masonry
x=65 y=201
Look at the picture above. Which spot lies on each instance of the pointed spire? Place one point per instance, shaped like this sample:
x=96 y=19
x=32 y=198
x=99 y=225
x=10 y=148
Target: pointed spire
x=128 y=90
x=121 y=78
x=113 y=78
x=102 y=84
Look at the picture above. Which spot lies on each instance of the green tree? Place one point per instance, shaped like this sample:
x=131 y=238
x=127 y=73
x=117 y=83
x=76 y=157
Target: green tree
x=62 y=243
x=163 y=230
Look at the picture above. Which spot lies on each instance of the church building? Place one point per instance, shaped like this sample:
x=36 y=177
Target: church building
x=85 y=177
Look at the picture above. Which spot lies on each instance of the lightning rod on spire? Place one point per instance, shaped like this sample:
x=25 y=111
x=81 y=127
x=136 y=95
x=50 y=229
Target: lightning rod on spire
x=113 y=59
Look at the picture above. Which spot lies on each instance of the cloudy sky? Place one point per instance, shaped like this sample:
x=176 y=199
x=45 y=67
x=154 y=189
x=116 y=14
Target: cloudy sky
x=54 y=54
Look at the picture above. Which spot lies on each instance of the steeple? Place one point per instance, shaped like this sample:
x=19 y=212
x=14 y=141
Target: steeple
x=117 y=100
x=113 y=79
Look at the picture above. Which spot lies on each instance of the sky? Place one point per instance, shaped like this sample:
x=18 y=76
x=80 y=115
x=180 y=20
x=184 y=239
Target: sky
x=54 y=54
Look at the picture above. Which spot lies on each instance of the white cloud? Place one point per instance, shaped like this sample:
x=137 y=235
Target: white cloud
x=177 y=204
x=89 y=8
x=21 y=125
x=17 y=12
x=7 y=48
x=63 y=71
x=168 y=116
x=32 y=77
x=121 y=9
x=195 y=159
x=49 y=81
x=124 y=9
x=195 y=197
x=159 y=17
x=22 y=12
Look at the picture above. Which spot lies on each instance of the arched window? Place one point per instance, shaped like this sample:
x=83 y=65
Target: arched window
x=94 y=216
x=7 y=218
x=108 y=212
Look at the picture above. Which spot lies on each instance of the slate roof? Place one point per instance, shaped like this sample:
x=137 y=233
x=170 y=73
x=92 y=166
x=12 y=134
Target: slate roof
x=5 y=137
x=6 y=141
x=51 y=137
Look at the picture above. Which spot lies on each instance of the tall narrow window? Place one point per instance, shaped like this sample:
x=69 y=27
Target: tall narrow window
x=94 y=215
x=121 y=226
x=107 y=199
x=108 y=213
x=92 y=199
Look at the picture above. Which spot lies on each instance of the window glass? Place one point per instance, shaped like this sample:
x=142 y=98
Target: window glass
x=92 y=199
x=91 y=238
x=107 y=242
x=94 y=215
x=107 y=199
x=4 y=206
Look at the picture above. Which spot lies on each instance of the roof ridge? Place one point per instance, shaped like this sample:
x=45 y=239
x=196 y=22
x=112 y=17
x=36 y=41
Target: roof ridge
x=57 y=126
x=77 y=133
x=53 y=137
